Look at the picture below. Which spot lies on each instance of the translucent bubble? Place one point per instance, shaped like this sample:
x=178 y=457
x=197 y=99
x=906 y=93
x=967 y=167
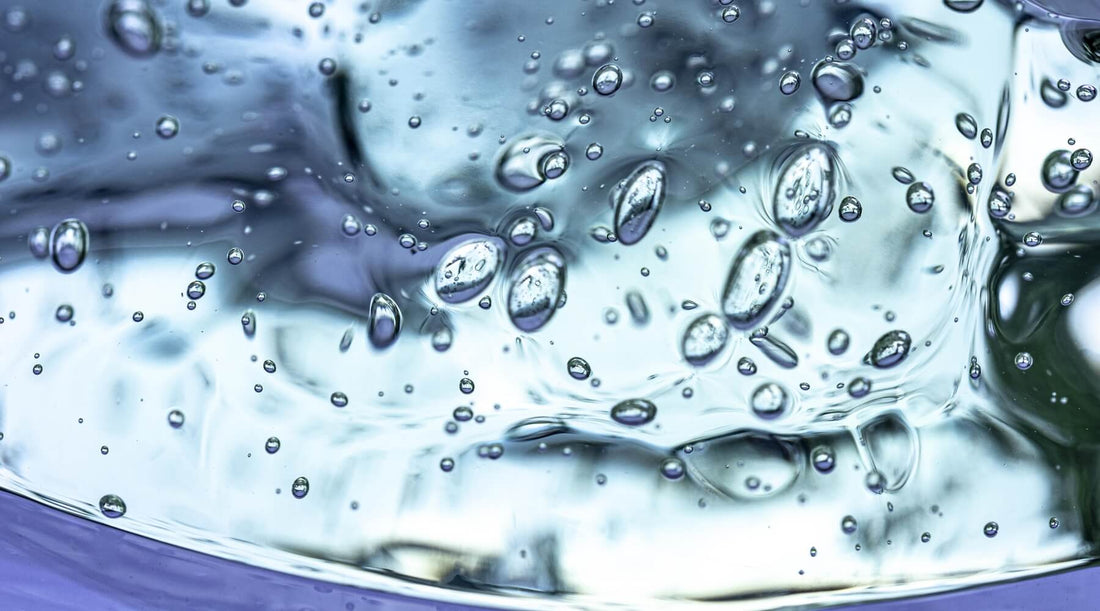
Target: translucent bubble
x=863 y=32
x=204 y=270
x=966 y=125
x=64 y=313
x=770 y=400
x=1058 y=173
x=637 y=199
x=1077 y=201
x=1086 y=93
x=805 y=189
x=731 y=13
x=745 y=366
x=138 y=316
x=875 y=482
x=823 y=458
x=1032 y=239
x=840 y=114
x=991 y=529
x=38 y=241
x=196 y=289
x=848 y=525
x=986 y=138
x=1067 y=299
x=662 y=81
x=167 y=127
x=385 y=321
x=112 y=506
x=645 y=20
x=974 y=173
x=234 y=256
x=838 y=341
x=704 y=339
x=556 y=110
x=837 y=81
x=134 y=28
x=175 y=418
x=316 y=9
x=466 y=270
x=889 y=350
x=756 y=279
x=519 y=164
x=859 y=387
x=69 y=244
x=300 y=487
x=272 y=445
x=198 y=8
x=845 y=49
x=607 y=79
x=579 y=368
x=902 y=175
x=338 y=399
x=789 y=82
x=1053 y=523
x=672 y=468
x=447 y=465
x=1052 y=95
x=850 y=209
x=920 y=197
x=1024 y=361
x=634 y=412
x=594 y=151
x=963 y=6
x=1081 y=159
x=1000 y=202
x=5 y=167
x=327 y=66
x=442 y=339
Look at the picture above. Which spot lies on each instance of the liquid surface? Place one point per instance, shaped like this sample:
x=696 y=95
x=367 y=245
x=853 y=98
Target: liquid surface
x=601 y=302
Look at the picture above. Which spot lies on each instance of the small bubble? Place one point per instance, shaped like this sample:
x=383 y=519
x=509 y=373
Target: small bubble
x=850 y=209
x=167 y=127
x=848 y=525
x=789 y=82
x=112 y=506
x=466 y=386
x=272 y=445
x=175 y=418
x=991 y=529
x=579 y=368
x=300 y=487
x=1024 y=361
x=64 y=313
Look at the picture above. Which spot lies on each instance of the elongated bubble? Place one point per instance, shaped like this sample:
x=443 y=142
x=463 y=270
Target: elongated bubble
x=756 y=279
x=805 y=188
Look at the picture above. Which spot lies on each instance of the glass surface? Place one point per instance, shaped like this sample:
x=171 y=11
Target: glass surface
x=585 y=302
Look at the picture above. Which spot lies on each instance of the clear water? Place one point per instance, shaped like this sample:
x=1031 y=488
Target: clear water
x=611 y=302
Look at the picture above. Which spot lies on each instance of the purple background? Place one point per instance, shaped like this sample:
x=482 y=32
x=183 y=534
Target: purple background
x=52 y=560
